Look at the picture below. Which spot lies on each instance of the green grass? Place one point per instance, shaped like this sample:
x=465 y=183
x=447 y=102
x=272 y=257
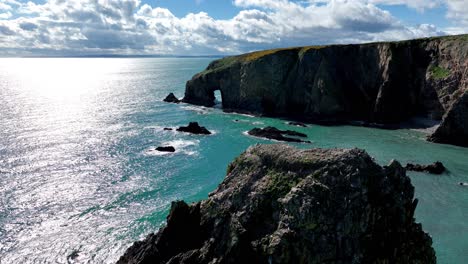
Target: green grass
x=439 y=73
x=280 y=183
x=224 y=63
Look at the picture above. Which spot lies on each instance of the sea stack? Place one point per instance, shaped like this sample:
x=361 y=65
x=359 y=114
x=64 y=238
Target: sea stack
x=194 y=128
x=171 y=98
x=279 y=204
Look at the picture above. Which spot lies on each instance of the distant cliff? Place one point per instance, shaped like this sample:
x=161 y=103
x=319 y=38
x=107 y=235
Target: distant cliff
x=378 y=82
x=279 y=204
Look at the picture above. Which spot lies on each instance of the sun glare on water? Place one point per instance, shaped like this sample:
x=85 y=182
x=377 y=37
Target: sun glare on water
x=62 y=78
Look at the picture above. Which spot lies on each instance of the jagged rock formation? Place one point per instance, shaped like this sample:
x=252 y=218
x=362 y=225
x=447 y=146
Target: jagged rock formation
x=378 y=82
x=434 y=168
x=454 y=127
x=276 y=134
x=194 y=128
x=171 y=98
x=279 y=204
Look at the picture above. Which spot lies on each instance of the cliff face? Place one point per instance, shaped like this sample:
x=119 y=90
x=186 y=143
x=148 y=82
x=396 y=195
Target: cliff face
x=279 y=204
x=379 y=82
x=454 y=127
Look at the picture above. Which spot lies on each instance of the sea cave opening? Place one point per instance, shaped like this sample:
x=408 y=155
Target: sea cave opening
x=218 y=101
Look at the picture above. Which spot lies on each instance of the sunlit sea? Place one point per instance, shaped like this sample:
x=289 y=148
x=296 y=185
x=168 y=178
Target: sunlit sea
x=80 y=180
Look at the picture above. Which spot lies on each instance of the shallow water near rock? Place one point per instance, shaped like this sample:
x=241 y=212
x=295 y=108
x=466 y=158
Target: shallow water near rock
x=78 y=177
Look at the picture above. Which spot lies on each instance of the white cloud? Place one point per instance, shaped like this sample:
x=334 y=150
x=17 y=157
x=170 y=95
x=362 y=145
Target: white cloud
x=458 y=10
x=127 y=26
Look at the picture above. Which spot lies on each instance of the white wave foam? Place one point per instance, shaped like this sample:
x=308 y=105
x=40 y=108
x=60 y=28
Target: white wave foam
x=199 y=109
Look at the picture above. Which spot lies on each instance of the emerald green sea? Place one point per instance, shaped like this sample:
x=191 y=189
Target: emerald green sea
x=79 y=175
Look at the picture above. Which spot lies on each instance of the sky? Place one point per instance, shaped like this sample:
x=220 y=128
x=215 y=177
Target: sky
x=215 y=27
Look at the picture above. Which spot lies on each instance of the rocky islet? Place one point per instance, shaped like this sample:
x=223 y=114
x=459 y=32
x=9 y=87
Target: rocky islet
x=279 y=204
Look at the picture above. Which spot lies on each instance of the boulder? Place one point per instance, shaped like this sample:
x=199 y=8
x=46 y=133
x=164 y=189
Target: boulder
x=434 y=168
x=166 y=149
x=279 y=204
x=194 y=128
x=171 y=98
x=276 y=134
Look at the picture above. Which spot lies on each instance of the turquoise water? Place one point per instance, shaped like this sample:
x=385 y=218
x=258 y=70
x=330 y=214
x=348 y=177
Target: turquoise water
x=78 y=174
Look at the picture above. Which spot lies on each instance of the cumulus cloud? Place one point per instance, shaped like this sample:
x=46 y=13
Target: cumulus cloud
x=130 y=27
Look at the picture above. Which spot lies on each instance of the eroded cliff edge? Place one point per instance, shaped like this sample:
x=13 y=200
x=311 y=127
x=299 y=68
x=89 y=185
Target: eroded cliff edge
x=379 y=82
x=279 y=204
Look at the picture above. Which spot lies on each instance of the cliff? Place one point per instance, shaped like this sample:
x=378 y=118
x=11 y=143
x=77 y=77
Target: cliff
x=279 y=204
x=377 y=82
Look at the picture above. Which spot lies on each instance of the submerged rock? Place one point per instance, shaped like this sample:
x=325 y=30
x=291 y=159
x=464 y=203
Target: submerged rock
x=168 y=129
x=166 y=149
x=299 y=124
x=194 y=128
x=434 y=168
x=171 y=98
x=279 y=204
x=276 y=134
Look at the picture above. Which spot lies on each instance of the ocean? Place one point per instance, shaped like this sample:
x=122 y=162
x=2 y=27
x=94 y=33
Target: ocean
x=80 y=180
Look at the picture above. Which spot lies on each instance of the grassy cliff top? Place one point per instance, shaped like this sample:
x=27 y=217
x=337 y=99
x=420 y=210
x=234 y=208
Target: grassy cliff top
x=229 y=61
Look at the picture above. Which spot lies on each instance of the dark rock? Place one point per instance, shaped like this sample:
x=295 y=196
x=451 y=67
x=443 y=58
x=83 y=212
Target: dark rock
x=299 y=124
x=382 y=84
x=166 y=149
x=168 y=129
x=171 y=98
x=454 y=127
x=279 y=204
x=276 y=134
x=434 y=168
x=73 y=255
x=194 y=128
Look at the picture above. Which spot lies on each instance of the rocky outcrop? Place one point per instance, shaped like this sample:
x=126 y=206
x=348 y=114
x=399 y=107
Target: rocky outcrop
x=375 y=83
x=279 y=204
x=434 y=168
x=171 y=98
x=194 y=128
x=276 y=134
x=454 y=127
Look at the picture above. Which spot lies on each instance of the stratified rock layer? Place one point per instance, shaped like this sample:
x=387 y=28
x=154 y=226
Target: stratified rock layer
x=279 y=204
x=378 y=82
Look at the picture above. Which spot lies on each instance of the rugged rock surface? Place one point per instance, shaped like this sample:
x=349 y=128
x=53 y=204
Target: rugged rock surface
x=276 y=134
x=171 y=98
x=454 y=127
x=194 y=128
x=377 y=83
x=434 y=168
x=279 y=204
x=166 y=149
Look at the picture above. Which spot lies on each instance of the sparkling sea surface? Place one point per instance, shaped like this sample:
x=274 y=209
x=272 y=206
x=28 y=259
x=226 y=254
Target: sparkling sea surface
x=79 y=177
